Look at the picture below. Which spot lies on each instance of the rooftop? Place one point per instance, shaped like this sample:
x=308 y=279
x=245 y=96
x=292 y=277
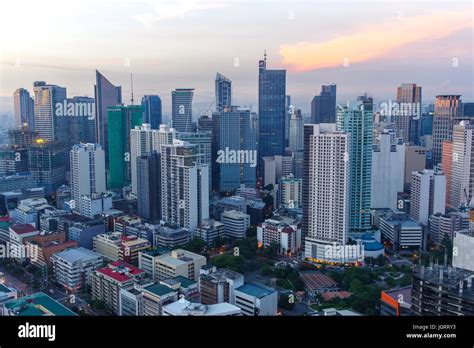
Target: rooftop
x=23 y=228
x=256 y=290
x=37 y=304
x=78 y=254
x=120 y=271
x=158 y=289
x=316 y=280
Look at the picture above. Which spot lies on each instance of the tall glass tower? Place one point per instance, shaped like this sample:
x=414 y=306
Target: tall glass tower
x=152 y=115
x=120 y=120
x=182 y=109
x=357 y=121
x=323 y=106
x=271 y=110
x=223 y=92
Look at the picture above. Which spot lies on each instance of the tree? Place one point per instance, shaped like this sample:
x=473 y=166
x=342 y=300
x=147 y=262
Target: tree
x=195 y=245
x=266 y=270
x=286 y=301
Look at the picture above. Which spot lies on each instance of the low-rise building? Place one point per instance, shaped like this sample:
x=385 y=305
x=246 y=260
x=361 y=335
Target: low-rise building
x=396 y=302
x=107 y=282
x=37 y=304
x=155 y=297
x=116 y=246
x=402 y=232
x=217 y=286
x=73 y=268
x=186 y=308
x=284 y=232
x=236 y=223
x=256 y=300
x=210 y=230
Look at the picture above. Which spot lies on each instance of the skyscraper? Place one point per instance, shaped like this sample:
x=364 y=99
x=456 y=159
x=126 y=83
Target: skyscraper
x=24 y=107
x=46 y=120
x=106 y=94
x=296 y=130
x=47 y=163
x=447 y=109
x=152 y=114
x=462 y=169
x=357 y=120
x=80 y=120
x=87 y=171
x=149 y=186
x=182 y=109
x=223 y=92
x=407 y=119
x=184 y=185
x=236 y=149
x=388 y=170
x=323 y=106
x=428 y=195
x=120 y=120
x=271 y=111
x=203 y=141
x=326 y=206
x=144 y=140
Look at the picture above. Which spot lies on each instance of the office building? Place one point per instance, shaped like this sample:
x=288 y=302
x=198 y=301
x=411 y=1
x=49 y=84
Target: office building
x=49 y=126
x=115 y=246
x=223 y=87
x=256 y=299
x=443 y=226
x=236 y=223
x=236 y=149
x=155 y=297
x=401 y=232
x=120 y=120
x=171 y=236
x=295 y=135
x=276 y=167
x=217 y=286
x=415 y=160
x=407 y=115
x=447 y=109
x=80 y=112
x=271 y=110
x=396 y=302
x=106 y=95
x=24 y=109
x=290 y=192
x=152 y=114
x=447 y=168
x=35 y=305
x=148 y=186
x=95 y=204
x=73 y=268
x=182 y=109
x=323 y=106
x=210 y=230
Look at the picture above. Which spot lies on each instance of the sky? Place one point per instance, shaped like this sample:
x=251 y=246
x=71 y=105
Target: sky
x=369 y=46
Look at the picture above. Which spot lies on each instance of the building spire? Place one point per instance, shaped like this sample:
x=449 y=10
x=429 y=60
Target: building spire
x=131 y=86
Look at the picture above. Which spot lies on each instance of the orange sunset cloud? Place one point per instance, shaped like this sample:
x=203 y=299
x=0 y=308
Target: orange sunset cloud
x=374 y=41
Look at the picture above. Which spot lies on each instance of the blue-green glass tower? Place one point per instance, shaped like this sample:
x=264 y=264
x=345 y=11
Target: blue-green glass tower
x=357 y=120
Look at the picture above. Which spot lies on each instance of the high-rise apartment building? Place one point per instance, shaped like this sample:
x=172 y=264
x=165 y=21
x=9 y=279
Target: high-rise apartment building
x=357 y=121
x=428 y=195
x=184 y=185
x=408 y=113
x=326 y=202
x=87 y=171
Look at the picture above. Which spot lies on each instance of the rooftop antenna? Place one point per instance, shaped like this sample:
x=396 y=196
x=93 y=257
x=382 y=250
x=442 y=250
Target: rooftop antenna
x=265 y=55
x=131 y=83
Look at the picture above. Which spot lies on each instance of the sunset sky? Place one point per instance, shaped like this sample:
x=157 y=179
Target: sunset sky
x=363 y=46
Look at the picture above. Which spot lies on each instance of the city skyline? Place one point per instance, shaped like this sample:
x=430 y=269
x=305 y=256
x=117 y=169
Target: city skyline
x=433 y=56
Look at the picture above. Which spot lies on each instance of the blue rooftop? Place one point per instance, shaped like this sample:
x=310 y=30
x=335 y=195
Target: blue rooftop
x=256 y=290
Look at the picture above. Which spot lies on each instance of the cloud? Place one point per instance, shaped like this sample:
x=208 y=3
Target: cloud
x=175 y=9
x=373 y=41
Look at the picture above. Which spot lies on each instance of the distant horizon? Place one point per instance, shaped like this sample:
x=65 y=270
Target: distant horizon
x=370 y=48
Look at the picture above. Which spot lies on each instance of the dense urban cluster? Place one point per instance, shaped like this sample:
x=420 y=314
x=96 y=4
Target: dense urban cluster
x=359 y=208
